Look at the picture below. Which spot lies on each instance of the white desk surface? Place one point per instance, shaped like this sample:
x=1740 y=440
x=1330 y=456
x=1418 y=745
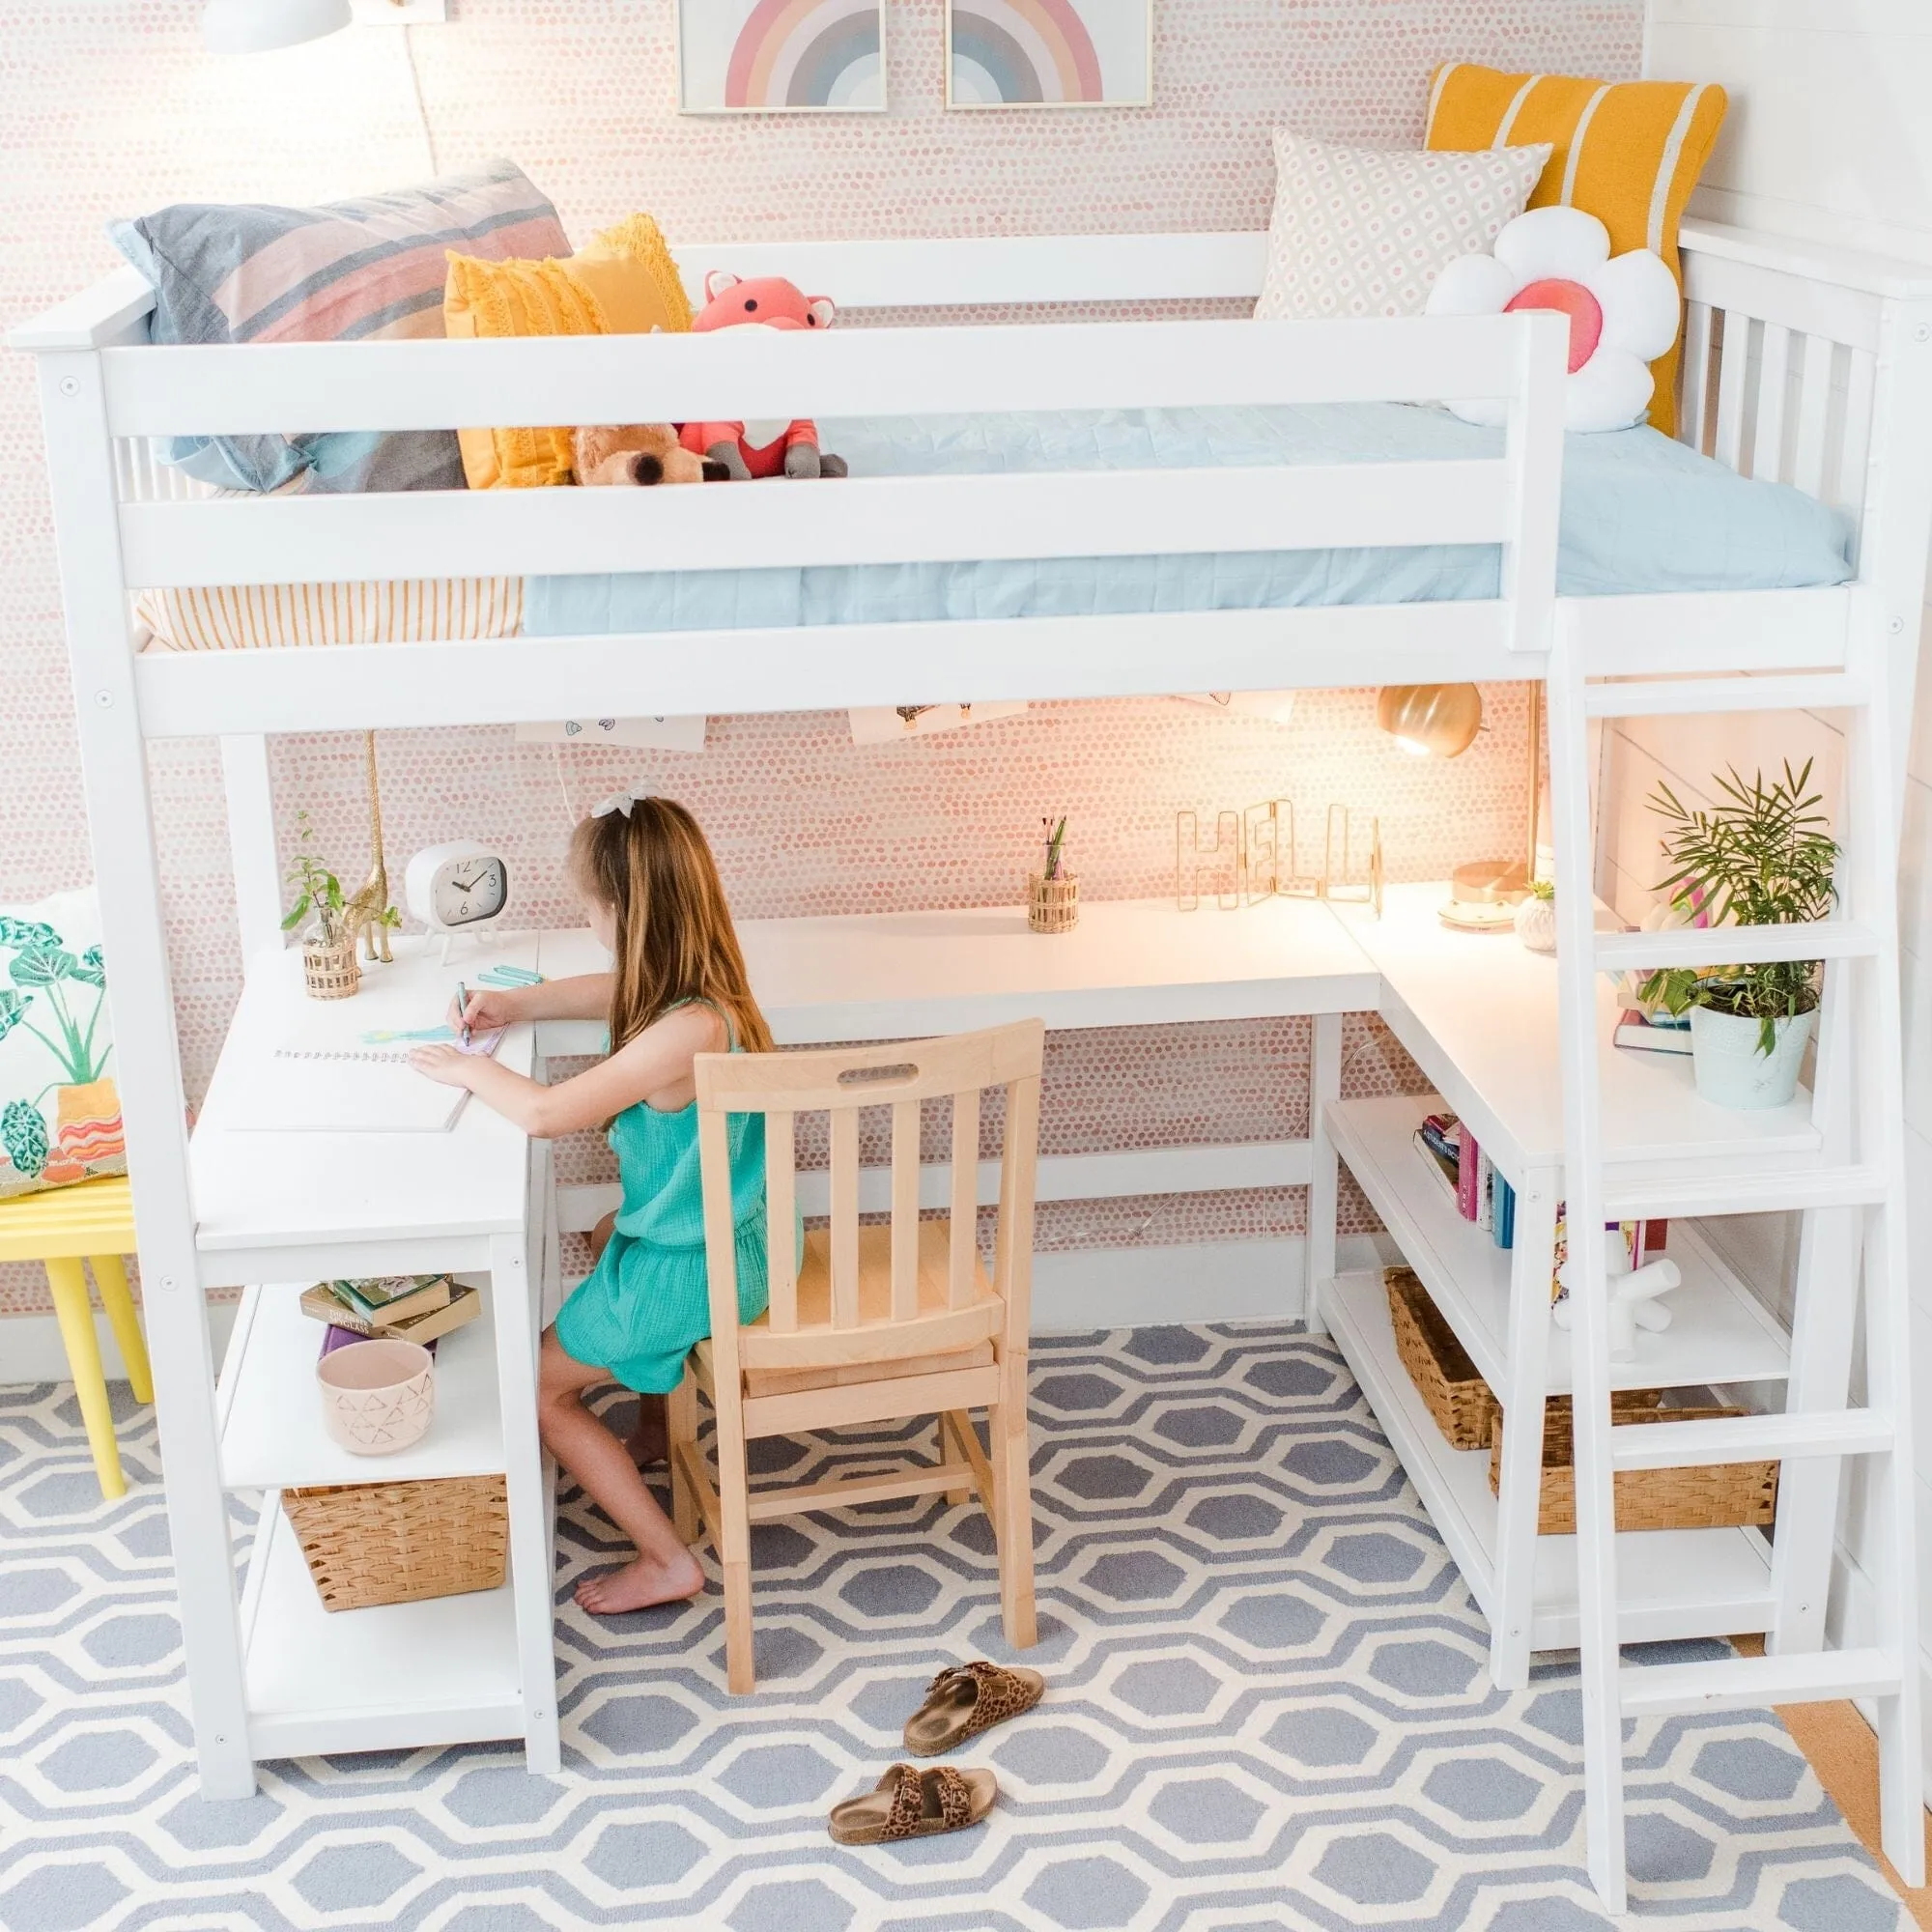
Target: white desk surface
x=1129 y=962
x=307 y=1190
x=1477 y=1012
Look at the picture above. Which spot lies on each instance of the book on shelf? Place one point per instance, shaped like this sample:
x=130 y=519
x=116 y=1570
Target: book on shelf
x=1643 y=1241
x=1502 y=1230
x=1486 y=1192
x=1651 y=1033
x=393 y=1298
x=443 y=1305
x=1443 y=1132
x=1468 y=1172
x=1442 y=1166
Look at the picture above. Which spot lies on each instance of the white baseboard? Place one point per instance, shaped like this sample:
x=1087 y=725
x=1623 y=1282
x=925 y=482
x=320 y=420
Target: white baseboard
x=31 y=1351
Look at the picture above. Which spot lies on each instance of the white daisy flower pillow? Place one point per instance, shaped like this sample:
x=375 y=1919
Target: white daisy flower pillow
x=1623 y=310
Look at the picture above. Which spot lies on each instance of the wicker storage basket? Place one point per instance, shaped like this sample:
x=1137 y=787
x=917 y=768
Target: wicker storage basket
x=396 y=1543
x=1438 y=1364
x=1715 y=1496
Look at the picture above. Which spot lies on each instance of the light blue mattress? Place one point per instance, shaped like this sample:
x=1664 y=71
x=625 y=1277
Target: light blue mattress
x=1640 y=513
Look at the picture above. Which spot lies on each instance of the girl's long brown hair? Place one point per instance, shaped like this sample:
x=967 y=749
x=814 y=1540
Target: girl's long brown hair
x=674 y=939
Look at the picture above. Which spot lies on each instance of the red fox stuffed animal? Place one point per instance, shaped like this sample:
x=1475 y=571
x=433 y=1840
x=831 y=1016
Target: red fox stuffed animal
x=767 y=448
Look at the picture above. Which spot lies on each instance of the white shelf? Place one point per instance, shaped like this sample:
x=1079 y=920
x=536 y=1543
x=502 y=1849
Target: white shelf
x=1718 y=1330
x=1477 y=1012
x=1671 y=1582
x=271 y=1413
x=276 y=1205
x=396 y=1677
x=1129 y=962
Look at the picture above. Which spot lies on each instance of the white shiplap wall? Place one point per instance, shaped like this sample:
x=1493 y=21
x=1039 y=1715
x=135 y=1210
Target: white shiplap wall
x=1830 y=137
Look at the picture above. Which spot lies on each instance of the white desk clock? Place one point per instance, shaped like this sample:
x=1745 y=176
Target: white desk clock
x=456 y=887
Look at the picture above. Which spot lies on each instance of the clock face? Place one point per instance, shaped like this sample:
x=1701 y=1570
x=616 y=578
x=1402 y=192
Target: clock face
x=468 y=889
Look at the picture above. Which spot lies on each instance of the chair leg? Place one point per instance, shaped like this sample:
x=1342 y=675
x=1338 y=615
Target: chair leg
x=111 y=1278
x=947 y=1425
x=1012 y=1517
x=681 y=1427
x=734 y=1555
x=75 y=1315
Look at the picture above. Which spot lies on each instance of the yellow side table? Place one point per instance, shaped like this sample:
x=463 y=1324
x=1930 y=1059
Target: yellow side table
x=92 y=1221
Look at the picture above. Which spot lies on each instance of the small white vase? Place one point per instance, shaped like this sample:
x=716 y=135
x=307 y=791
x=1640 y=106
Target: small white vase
x=1732 y=1072
x=1536 y=924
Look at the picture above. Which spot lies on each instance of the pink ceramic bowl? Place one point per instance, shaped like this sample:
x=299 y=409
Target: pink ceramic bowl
x=377 y=1396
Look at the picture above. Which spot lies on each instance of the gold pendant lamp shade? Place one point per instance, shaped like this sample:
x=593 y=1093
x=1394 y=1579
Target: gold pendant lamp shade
x=1438 y=721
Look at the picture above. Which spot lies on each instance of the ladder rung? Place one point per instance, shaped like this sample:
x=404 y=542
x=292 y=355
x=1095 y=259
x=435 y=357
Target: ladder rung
x=1749 y=1438
x=1752 y=1683
x=1736 y=945
x=1821 y=691
x=1685 y=1197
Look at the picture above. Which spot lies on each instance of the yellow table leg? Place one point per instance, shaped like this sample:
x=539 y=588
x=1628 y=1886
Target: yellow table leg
x=75 y=1313
x=111 y=1278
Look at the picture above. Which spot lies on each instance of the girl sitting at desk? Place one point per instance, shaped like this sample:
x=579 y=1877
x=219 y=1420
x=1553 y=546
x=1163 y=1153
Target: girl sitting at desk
x=678 y=988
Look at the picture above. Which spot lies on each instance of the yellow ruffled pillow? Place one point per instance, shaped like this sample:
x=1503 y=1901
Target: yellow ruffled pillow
x=624 y=283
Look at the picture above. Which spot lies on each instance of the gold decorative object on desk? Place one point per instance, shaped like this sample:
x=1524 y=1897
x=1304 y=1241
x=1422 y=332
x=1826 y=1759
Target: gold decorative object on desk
x=1256 y=847
x=1053 y=893
x=369 y=914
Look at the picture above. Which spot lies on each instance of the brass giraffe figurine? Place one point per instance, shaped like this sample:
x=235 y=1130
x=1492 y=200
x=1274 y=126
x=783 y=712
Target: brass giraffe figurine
x=363 y=915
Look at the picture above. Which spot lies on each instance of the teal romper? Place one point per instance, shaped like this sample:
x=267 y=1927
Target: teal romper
x=647 y=1302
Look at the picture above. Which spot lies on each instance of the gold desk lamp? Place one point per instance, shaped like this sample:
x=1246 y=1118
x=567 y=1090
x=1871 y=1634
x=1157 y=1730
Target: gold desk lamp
x=1441 y=721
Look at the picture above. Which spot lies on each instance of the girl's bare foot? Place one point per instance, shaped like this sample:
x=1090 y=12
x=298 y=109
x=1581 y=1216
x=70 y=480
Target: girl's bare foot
x=639 y=1584
x=649 y=1439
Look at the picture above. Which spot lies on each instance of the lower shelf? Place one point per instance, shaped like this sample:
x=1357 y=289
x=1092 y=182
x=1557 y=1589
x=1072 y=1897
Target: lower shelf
x=401 y=1675
x=1671 y=1582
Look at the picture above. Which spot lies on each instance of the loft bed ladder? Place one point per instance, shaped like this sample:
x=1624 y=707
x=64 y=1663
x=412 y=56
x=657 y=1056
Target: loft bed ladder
x=1851 y=1194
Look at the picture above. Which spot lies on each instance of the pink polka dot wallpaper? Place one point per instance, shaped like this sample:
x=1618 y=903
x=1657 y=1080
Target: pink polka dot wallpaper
x=110 y=107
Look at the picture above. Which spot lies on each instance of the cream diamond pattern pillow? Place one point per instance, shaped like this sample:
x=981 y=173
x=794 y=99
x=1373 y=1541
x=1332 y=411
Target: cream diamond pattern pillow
x=1359 y=232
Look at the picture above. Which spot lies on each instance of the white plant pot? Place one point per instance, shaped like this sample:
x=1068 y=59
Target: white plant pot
x=377 y=1396
x=1536 y=924
x=1732 y=1072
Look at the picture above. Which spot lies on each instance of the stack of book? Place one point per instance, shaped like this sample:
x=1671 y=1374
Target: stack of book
x=404 y=1307
x=1652 y=1033
x=1468 y=1177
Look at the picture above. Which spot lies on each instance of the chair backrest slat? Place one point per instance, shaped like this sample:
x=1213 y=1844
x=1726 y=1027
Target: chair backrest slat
x=846 y=1217
x=780 y=1216
x=905 y=1210
x=963 y=1242
x=1013 y=1256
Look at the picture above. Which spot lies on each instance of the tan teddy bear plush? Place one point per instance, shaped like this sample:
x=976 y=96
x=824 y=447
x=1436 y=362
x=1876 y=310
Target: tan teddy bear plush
x=643 y=453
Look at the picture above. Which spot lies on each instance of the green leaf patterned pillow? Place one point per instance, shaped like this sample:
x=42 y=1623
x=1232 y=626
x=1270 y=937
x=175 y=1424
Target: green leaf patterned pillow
x=60 y=1115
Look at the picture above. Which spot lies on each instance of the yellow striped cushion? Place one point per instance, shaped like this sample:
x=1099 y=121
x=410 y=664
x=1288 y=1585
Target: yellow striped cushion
x=1627 y=151
x=273 y=616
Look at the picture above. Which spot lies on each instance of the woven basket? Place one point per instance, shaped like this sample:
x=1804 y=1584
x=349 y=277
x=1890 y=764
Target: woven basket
x=1715 y=1496
x=330 y=971
x=397 y=1543
x=1053 y=905
x=1438 y=1364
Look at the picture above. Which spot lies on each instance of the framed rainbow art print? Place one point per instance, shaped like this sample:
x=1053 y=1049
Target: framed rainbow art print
x=1049 y=53
x=780 y=56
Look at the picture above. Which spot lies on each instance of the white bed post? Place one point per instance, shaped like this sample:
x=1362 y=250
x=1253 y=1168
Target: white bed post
x=1534 y=450
x=252 y=843
x=148 y=1067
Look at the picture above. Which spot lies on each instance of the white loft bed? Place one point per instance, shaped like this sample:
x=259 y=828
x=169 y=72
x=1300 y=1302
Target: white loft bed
x=1804 y=364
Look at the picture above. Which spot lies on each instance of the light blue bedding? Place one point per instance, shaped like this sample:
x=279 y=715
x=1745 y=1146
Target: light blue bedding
x=1640 y=513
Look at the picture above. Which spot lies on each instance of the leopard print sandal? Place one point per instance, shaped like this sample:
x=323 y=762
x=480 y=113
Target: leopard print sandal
x=966 y=1699
x=909 y=1804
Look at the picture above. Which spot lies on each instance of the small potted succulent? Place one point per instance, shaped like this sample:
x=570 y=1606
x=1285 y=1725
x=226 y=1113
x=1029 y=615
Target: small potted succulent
x=329 y=968
x=1536 y=917
x=1759 y=856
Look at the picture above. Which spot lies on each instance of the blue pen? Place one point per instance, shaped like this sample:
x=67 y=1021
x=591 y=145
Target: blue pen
x=462 y=1007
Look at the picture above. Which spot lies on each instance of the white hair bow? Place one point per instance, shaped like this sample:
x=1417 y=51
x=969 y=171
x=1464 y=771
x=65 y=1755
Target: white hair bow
x=619 y=801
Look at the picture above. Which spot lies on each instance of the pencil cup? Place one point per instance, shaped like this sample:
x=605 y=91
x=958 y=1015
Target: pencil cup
x=330 y=971
x=1053 y=905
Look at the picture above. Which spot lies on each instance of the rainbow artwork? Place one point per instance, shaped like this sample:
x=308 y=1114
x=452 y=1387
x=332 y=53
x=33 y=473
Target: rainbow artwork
x=1047 y=53
x=780 y=56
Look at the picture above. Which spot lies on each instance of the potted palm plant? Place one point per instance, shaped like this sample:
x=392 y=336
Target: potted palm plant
x=1759 y=856
x=329 y=968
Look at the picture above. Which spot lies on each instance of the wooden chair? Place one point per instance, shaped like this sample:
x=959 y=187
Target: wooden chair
x=879 y=1324
x=92 y=1221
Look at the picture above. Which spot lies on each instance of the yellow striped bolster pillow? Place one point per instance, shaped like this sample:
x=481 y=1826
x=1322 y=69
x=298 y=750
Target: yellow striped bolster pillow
x=1627 y=151
x=281 y=616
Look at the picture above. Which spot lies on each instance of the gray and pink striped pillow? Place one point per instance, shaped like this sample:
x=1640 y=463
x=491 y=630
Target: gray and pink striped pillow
x=369 y=270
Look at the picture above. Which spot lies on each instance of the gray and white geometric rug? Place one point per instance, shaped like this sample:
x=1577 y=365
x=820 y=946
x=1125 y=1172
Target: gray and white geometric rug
x=1267 y=1707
